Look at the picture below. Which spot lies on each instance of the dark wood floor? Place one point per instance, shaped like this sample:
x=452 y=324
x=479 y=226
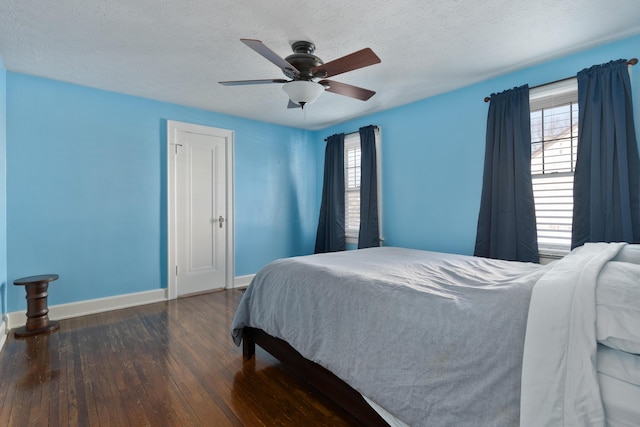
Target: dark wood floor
x=164 y=364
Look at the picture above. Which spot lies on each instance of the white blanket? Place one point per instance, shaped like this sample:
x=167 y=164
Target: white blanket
x=559 y=378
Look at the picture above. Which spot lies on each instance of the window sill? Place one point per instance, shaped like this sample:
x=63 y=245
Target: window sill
x=548 y=256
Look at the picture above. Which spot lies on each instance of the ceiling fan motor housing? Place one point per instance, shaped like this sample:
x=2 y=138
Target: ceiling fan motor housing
x=304 y=60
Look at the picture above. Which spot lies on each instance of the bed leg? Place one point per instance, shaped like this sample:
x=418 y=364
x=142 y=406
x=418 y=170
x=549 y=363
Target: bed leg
x=248 y=348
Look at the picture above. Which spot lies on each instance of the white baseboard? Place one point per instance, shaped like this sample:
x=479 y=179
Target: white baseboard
x=3 y=333
x=93 y=306
x=242 y=281
x=17 y=319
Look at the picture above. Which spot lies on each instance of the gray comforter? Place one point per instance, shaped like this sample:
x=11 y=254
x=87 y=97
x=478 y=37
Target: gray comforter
x=435 y=339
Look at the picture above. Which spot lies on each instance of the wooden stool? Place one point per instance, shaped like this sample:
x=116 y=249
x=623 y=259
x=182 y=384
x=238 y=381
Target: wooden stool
x=37 y=309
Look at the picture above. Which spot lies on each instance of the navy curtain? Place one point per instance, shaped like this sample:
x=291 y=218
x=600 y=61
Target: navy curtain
x=606 y=188
x=331 y=236
x=507 y=221
x=369 y=235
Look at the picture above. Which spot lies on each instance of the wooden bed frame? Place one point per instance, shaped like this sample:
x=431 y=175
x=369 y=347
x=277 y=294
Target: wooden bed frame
x=321 y=379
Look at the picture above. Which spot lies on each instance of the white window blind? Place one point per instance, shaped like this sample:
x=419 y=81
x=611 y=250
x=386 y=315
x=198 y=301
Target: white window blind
x=352 y=185
x=554 y=143
x=352 y=173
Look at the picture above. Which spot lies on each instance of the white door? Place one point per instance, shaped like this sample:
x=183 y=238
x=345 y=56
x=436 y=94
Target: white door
x=199 y=208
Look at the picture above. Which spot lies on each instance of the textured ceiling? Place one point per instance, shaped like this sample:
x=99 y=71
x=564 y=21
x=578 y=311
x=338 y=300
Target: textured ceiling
x=177 y=50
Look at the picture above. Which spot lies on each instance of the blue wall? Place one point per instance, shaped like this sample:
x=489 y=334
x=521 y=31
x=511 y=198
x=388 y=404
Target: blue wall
x=87 y=189
x=86 y=178
x=433 y=152
x=3 y=191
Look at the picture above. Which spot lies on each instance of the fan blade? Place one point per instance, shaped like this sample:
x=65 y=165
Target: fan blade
x=288 y=69
x=293 y=105
x=360 y=59
x=347 y=90
x=252 y=82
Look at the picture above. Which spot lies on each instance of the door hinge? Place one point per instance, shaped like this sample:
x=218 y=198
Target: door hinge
x=176 y=270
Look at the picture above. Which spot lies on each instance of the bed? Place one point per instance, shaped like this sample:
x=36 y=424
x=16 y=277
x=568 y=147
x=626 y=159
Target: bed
x=408 y=337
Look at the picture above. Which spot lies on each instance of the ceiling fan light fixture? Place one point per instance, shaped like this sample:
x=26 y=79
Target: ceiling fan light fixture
x=303 y=92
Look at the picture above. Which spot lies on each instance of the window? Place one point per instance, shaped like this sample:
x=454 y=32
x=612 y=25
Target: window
x=352 y=186
x=554 y=142
x=352 y=170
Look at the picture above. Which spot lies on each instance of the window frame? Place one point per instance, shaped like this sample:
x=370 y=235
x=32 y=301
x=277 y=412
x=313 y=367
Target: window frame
x=351 y=140
x=547 y=97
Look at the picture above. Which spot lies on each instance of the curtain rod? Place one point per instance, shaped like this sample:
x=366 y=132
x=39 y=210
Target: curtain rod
x=632 y=61
x=353 y=133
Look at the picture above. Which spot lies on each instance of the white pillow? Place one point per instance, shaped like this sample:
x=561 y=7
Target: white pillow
x=629 y=253
x=618 y=306
x=619 y=364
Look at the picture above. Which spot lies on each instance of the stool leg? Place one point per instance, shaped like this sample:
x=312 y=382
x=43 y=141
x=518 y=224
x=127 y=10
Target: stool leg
x=37 y=312
x=37 y=308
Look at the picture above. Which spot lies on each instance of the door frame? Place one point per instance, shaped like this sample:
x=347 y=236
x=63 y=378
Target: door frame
x=172 y=248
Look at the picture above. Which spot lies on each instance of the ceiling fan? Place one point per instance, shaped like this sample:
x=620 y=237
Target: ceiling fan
x=303 y=68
